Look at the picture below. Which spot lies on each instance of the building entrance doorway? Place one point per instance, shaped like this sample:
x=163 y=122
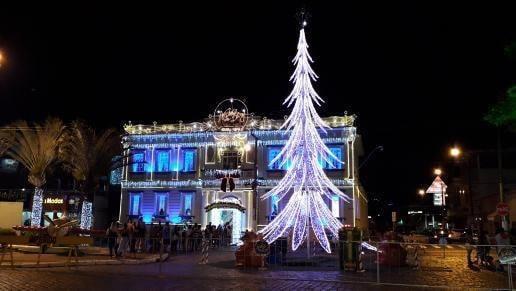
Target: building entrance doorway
x=228 y=212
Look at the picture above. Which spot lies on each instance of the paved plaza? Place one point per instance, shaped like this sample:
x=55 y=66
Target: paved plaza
x=183 y=272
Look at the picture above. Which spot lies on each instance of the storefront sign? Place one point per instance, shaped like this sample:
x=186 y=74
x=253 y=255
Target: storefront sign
x=54 y=201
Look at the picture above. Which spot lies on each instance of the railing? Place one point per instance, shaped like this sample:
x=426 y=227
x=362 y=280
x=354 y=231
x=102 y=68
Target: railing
x=388 y=263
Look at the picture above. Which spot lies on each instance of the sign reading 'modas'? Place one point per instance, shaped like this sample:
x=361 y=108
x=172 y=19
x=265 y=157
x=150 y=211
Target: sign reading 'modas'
x=54 y=201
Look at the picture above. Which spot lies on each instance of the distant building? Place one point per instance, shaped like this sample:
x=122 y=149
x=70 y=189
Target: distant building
x=473 y=190
x=186 y=172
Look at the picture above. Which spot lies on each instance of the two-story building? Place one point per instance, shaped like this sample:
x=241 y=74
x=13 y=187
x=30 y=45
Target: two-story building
x=216 y=170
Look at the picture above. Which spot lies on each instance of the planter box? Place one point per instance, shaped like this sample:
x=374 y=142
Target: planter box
x=74 y=240
x=14 y=240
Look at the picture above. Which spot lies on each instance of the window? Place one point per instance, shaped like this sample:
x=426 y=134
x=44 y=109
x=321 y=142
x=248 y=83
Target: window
x=335 y=206
x=161 y=203
x=210 y=154
x=272 y=153
x=187 y=198
x=334 y=165
x=274 y=205
x=135 y=203
x=138 y=162
x=230 y=159
x=162 y=158
x=189 y=160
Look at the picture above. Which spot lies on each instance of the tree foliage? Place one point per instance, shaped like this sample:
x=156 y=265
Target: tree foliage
x=36 y=147
x=503 y=113
x=88 y=156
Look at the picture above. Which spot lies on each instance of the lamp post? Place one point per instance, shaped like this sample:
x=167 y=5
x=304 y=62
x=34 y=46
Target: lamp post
x=456 y=153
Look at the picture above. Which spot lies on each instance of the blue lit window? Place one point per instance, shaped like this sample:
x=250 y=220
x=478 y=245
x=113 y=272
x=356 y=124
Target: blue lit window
x=138 y=162
x=335 y=165
x=162 y=160
x=161 y=203
x=272 y=153
x=187 y=203
x=274 y=205
x=135 y=203
x=189 y=160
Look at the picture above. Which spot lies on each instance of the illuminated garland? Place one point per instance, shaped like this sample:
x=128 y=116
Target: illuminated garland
x=214 y=183
x=37 y=208
x=224 y=204
x=305 y=180
x=86 y=215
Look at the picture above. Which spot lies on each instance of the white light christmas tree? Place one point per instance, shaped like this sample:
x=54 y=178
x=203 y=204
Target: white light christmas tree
x=305 y=177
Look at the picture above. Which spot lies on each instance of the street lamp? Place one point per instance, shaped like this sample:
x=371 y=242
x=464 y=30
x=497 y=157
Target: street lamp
x=421 y=192
x=455 y=152
x=438 y=172
x=1 y=58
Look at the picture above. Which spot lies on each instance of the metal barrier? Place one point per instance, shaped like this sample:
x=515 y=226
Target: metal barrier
x=394 y=263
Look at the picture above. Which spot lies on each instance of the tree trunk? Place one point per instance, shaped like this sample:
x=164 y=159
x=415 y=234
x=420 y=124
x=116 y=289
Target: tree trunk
x=37 y=207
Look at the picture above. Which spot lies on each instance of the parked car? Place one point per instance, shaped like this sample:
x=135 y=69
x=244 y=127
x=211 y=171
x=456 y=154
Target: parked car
x=440 y=236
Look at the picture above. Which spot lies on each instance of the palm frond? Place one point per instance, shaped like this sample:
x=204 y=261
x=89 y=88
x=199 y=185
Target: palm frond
x=36 y=147
x=89 y=156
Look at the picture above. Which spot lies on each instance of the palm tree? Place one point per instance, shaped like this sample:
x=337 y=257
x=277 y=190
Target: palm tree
x=6 y=139
x=36 y=148
x=88 y=156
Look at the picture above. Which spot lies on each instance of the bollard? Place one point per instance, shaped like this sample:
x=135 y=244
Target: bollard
x=204 y=249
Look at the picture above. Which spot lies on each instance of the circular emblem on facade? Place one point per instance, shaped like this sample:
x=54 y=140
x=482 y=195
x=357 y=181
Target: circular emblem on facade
x=231 y=115
x=261 y=247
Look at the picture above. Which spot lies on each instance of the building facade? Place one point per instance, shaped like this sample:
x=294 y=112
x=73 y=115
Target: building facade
x=215 y=171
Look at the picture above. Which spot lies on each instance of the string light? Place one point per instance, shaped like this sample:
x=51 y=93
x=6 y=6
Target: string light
x=86 y=215
x=215 y=183
x=305 y=179
x=37 y=208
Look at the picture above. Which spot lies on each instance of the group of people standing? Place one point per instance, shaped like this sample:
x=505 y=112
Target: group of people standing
x=132 y=237
x=483 y=245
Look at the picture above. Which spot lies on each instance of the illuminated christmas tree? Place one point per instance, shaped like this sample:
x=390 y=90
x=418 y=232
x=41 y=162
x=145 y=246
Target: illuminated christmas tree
x=305 y=178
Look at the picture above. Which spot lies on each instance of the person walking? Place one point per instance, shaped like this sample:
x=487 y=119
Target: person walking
x=175 y=240
x=124 y=241
x=469 y=245
x=130 y=235
x=166 y=237
x=503 y=240
x=112 y=234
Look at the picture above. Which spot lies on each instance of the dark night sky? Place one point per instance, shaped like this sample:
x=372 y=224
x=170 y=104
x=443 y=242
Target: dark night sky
x=419 y=77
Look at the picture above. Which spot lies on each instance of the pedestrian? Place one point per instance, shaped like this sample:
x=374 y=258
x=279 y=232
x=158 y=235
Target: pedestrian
x=483 y=249
x=112 y=233
x=130 y=235
x=503 y=240
x=124 y=240
x=469 y=245
x=166 y=237
x=142 y=230
x=175 y=240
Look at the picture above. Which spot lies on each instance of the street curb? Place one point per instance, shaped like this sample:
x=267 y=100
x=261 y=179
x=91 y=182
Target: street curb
x=154 y=259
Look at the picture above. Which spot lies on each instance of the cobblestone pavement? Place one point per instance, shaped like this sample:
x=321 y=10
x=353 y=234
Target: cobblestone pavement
x=183 y=273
